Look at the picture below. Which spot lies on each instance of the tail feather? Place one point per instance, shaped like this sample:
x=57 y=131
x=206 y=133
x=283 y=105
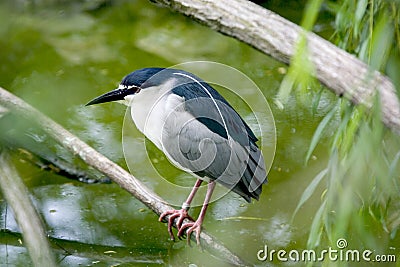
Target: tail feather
x=250 y=186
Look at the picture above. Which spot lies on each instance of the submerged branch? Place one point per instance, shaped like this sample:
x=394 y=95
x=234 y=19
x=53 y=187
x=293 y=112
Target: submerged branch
x=107 y=167
x=29 y=143
x=273 y=35
x=108 y=255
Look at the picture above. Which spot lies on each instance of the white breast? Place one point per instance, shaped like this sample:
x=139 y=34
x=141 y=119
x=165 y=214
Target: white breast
x=150 y=108
x=160 y=115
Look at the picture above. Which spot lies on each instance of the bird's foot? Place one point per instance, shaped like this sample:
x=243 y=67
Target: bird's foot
x=181 y=214
x=191 y=227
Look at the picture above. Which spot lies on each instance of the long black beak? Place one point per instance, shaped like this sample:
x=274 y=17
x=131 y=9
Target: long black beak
x=114 y=95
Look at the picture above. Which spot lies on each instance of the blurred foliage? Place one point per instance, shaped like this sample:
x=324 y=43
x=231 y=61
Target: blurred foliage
x=360 y=199
x=370 y=30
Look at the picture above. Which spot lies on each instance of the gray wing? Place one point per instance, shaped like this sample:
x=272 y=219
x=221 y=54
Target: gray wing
x=214 y=141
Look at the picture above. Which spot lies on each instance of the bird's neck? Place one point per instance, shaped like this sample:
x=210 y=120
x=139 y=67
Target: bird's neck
x=149 y=111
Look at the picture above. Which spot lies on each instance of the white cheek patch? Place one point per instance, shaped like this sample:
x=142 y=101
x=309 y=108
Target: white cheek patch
x=127 y=100
x=121 y=86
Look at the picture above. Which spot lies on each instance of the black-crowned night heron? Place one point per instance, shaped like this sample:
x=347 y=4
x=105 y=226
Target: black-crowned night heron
x=199 y=132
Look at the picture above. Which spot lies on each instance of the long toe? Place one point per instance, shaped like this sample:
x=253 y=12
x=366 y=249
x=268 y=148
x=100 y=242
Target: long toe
x=181 y=214
x=171 y=220
x=172 y=215
x=184 y=215
x=190 y=228
x=164 y=214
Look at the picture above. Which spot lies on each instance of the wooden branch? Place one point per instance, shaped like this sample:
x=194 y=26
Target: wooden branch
x=273 y=35
x=107 y=167
x=25 y=214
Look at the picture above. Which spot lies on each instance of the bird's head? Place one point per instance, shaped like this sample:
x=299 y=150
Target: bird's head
x=131 y=84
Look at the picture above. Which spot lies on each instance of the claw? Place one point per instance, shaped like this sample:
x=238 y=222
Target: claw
x=191 y=227
x=181 y=214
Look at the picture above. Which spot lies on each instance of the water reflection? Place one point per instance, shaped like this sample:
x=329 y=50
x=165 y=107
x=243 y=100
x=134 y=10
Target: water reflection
x=277 y=233
x=230 y=205
x=66 y=210
x=101 y=134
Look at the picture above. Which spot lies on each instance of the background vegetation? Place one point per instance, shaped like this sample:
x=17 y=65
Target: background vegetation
x=360 y=200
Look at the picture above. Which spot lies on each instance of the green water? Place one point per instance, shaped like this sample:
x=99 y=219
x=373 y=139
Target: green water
x=58 y=57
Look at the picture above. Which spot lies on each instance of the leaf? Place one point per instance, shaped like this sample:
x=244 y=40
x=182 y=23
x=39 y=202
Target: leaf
x=318 y=132
x=284 y=90
x=392 y=170
x=317 y=99
x=340 y=132
x=310 y=190
x=316 y=227
x=359 y=15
